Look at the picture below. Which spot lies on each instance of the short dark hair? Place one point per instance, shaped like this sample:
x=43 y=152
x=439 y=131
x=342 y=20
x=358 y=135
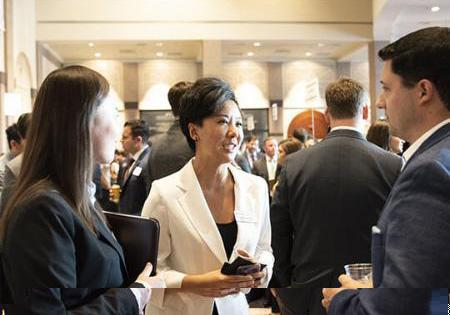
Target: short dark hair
x=22 y=124
x=344 y=98
x=250 y=138
x=206 y=97
x=423 y=54
x=12 y=133
x=139 y=128
x=379 y=134
x=301 y=134
x=175 y=94
x=290 y=145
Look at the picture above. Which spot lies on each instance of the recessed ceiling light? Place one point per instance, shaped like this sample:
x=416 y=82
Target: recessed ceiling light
x=159 y=54
x=91 y=44
x=159 y=44
x=308 y=54
x=435 y=9
x=250 y=54
x=320 y=44
x=97 y=55
x=256 y=44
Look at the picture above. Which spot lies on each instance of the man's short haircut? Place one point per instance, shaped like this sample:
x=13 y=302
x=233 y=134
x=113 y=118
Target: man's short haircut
x=424 y=54
x=22 y=124
x=206 y=97
x=301 y=134
x=268 y=139
x=12 y=133
x=345 y=98
x=250 y=138
x=175 y=93
x=139 y=128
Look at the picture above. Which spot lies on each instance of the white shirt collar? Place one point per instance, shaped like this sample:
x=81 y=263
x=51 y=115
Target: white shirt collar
x=415 y=146
x=91 y=190
x=138 y=153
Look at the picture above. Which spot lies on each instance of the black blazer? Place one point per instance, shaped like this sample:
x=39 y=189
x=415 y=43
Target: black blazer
x=170 y=152
x=135 y=187
x=48 y=252
x=328 y=198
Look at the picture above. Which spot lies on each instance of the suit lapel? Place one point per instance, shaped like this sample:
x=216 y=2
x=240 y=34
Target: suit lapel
x=195 y=207
x=136 y=164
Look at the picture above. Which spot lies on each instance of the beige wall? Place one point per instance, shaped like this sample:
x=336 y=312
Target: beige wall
x=157 y=76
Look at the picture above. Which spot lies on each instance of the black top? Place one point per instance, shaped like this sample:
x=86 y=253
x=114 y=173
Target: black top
x=228 y=232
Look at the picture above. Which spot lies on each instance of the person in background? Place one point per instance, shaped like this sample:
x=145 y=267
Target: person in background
x=15 y=146
x=135 y=183
x=327 y=199
x=13 y=167
x=379 y=134
x=246 y=160
x=209 y=212
x=285 y=147
x=411 y=240
x=170 y=152
x=302 y=135
x=396 y=145
x=266 y=166
x=58 y=255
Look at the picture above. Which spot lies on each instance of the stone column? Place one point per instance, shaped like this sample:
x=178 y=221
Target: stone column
x=212 y=58
x=375 y=67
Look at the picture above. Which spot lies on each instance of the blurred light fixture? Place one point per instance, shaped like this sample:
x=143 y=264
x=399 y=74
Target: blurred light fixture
x=308 y=54
x=320 y=45
x=435 y=9
x=250 y=54
x=256 y=44
x=97 y=55
x=159 y=54
x=159 y=44
x=91 y=44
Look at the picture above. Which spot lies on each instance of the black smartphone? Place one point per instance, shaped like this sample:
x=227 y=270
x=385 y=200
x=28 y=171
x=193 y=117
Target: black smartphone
x=248 y=269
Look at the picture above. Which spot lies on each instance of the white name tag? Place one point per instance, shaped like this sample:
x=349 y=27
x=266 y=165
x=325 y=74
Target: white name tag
x=137 y=171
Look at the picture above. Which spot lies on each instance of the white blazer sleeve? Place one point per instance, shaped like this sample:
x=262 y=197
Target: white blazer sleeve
x=263 y=253
x=156 y=208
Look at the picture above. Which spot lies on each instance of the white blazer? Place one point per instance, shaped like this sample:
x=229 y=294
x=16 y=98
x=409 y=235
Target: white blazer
x=190 y=242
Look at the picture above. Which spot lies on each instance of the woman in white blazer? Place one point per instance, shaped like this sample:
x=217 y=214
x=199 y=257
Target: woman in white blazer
x=208 y=211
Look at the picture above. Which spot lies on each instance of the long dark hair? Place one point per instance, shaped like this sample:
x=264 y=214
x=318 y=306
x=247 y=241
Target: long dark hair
x=58 y=154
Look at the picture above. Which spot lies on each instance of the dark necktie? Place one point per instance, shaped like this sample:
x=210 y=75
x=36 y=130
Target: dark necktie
x=127 y=172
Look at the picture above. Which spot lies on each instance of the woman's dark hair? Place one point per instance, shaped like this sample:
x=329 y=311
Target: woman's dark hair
x=206 y=97
x=290 y=145
x=58 y=154
x=379 y=134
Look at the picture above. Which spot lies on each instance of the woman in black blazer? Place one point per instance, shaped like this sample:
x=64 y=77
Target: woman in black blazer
x=58 y=255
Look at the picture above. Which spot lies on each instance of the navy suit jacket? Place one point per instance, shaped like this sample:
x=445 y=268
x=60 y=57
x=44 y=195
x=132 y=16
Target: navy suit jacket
x=412 y=248
x=136 y=187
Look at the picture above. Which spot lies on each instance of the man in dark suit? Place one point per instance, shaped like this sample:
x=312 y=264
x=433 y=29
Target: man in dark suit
x=266 y=166
x=170 y=152
x=246 y=159
x=135 y=182
x=328 y=198
x=411 y=241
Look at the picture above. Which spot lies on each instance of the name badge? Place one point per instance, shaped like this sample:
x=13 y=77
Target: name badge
x=244 y=217
x=137 y=171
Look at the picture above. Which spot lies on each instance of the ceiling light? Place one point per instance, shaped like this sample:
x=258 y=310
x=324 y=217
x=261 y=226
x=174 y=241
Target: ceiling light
x=91 y=44
x=159 y=54
x=97 y=55
x=159 y=44
x=435 y=9
x=308 y=54
x=256 y=44
x=250 y=54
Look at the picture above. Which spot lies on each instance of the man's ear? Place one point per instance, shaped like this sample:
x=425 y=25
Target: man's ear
x=139 y=139
x=327 y=116
x=365 y=112
x=425 y=91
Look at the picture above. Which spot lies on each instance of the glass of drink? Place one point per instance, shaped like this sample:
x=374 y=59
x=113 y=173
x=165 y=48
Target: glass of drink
x=114 y=195
x=359 y=272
